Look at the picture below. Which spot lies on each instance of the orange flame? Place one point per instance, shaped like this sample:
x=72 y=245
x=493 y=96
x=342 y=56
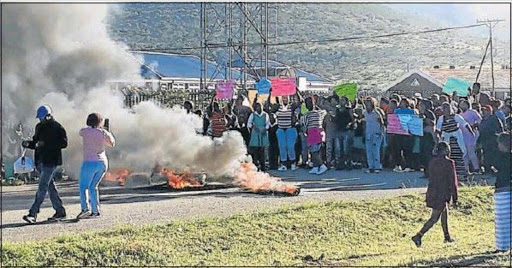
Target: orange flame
x=248 y=177
x=180 y=181
x=120 y=175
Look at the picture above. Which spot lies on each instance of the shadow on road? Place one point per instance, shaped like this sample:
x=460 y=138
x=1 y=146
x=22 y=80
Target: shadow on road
x=22 y=224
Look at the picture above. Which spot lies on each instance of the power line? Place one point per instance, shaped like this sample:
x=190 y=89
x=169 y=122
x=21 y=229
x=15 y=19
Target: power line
x=222 y=45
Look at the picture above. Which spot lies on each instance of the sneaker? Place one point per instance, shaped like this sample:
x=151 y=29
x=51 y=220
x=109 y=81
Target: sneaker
x=407 y=170
x=282 y=168
x=417 y=240
x=370 y=171
x=95 y=215
x=84 y=214
x=57 y=217
x=397 y=169
x=310 y=164
x=294 y=167
x=377 y=171
x=449 y=240
x=322 y=170
x=30 y=218
x=314 y=171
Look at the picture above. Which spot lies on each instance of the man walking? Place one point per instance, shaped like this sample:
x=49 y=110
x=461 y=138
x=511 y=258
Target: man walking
x=48 y=141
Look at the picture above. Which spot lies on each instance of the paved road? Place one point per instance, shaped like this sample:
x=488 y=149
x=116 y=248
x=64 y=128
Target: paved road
x=156 y=204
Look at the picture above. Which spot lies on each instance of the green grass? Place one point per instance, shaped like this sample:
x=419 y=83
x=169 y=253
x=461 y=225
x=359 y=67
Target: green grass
x=373 y=232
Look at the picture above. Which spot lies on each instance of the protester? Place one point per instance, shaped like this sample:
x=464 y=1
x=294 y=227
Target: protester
x=474 y=119
x=286 y=134
x=48 y=141
x=489 y=127
x=502 y=193
x=442 y=187
x=231 y=118
x=258 y=123
x=273 y=148
x=95 y=164
x=242 y=112
x=187 y=105
x=313 y=121
x=345 y=121
x=449 y=127
x=403 y=144
x=374 y=132
x=358 y=151
x=332 y=133
x=217 y=121
x=428 y=140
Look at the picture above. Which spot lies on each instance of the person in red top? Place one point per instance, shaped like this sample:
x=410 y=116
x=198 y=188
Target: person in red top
x=218 y=121
x=442 y=187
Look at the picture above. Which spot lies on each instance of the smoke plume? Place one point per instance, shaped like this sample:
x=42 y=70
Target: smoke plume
x=61 y=55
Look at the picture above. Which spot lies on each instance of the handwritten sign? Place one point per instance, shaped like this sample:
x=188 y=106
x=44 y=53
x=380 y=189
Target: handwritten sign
x=394 y=125
x=348 y=90
x=456 y=85
x=283 y=86
x=263 y=86
x=405 y=124
x=224 y=90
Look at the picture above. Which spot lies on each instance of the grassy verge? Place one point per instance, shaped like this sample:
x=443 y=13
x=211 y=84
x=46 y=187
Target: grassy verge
x=373 y=232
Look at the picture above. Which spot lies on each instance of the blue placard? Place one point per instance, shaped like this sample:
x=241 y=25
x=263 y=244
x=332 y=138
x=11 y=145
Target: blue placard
x=263 y=86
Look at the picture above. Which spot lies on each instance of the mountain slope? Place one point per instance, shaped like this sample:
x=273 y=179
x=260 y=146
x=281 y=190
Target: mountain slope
x=372 y=63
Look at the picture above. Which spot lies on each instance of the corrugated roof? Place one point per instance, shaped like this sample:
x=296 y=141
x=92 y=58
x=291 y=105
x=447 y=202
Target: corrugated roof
x=501 y=76
x=298 y=72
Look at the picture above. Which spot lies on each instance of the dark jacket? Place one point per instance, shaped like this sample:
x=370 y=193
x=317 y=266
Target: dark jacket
x=442 y=185
x=489 y=127
x=503 y=176
x=54 y=137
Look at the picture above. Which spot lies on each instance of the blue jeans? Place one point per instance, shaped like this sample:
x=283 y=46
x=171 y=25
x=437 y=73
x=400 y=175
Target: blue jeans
x=286 y=139
x=91 y=174
x=47 y=184
x=373 y=145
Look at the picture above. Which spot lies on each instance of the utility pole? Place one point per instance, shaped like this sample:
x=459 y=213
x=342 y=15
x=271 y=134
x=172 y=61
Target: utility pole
x=491 y=24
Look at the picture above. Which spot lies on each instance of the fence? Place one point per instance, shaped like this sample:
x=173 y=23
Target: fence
x=169 y=98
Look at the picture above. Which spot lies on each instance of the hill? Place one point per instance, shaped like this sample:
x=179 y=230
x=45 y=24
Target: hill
x=373 y=63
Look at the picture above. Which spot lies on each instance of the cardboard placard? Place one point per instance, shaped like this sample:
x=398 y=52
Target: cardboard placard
x=283 y=86
x=456 y=85
x=348 y=90
x=224 y=90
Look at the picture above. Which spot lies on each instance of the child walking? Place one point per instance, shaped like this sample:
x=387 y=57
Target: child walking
x=442 y=187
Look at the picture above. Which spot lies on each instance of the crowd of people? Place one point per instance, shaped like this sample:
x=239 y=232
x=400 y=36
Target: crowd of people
x=333 y=132
x=461 y=136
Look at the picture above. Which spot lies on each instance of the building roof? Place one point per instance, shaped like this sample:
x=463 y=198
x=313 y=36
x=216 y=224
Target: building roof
x=415 y=76
x=275 y=64
x=501 y=76
x=164 y=65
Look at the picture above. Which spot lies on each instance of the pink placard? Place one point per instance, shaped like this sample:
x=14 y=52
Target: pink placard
x=283 y=86
x=224 y=90
x=394 y=125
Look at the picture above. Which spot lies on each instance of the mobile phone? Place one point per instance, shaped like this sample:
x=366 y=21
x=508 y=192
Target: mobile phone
x=106 y=125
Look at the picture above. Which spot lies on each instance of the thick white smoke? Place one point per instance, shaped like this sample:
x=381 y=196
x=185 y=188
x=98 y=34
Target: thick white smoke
x=61 y=55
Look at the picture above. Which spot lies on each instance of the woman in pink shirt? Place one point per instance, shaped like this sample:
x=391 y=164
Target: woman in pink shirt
x=95 y=140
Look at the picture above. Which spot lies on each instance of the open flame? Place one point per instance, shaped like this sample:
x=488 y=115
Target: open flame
x=248 y=177
x=180 y=181
x=120 y=175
